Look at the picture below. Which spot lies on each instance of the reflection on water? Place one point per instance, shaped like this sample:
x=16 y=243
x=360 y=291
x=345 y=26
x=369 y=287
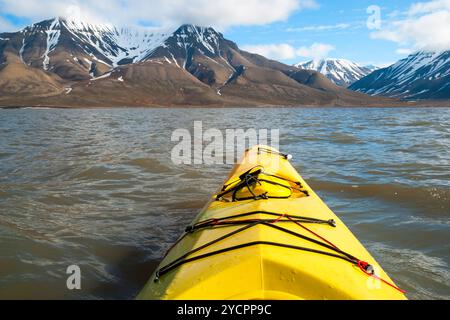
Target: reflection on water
x=97 y=188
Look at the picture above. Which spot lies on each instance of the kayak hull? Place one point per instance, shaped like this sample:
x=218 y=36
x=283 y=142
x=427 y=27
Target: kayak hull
x=265 y=262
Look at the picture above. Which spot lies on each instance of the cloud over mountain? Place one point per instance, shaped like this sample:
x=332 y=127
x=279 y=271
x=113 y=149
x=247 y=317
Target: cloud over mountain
x=424 y=26
x=222 y=14
x=284 y=51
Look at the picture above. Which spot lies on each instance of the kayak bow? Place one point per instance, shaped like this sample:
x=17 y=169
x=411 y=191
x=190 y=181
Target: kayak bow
x=267 y=235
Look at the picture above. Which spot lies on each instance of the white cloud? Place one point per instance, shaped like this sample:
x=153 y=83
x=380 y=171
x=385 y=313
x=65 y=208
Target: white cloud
x=220 y=14
x=316 y=51
x=5 y=26
x=339 y=26
x=425 y=26
x=284 y=51
x=404 y=51
x=429 y=7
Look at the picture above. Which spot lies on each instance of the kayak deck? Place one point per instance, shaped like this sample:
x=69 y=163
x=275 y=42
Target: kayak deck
x=277 y=244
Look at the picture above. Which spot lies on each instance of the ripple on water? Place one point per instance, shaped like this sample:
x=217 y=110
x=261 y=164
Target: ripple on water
x=413 y=270
x=98 y=188
x=344 y=138
x=102 y=173
x=60 y=200
x=434 y=202
x=149 y=165
x=191 y=174
x=4 y=155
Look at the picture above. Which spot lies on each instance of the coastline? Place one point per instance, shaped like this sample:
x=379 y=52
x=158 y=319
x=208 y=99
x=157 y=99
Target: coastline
x=431 y=104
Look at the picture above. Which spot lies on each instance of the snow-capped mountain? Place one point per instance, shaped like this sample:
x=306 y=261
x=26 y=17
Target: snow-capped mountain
x=78 y=50
x=340 y=71
x=71 y=63
x=423 y=75
x=118 y=45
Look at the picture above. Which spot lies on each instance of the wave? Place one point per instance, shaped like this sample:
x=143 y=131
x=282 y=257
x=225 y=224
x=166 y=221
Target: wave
x=343 y=138
x=24 y=231
x=402 y=263
x=435 y=201
x=101 y=173
x=149 y=165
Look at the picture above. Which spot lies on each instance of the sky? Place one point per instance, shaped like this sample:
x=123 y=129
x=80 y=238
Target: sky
x=378 y=32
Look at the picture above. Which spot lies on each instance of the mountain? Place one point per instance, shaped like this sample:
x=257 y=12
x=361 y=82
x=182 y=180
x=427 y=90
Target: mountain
x=423 y=75
x=78 y=50
x=341 y=72
x=59 y=62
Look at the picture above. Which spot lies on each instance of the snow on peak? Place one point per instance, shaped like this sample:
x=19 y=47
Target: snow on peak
x=115 y=46
x=118 y=44
x=189 y=35
x=420 y=75
x=340 y=71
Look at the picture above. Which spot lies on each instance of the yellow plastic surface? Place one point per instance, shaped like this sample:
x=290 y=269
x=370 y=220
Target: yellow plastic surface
x=265 y=272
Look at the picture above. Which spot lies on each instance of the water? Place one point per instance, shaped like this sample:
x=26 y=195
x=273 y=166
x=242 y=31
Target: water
x=97 y=188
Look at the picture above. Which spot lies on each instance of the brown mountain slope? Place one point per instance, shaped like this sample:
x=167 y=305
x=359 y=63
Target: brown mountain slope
x=143 y=84
x=18 y=80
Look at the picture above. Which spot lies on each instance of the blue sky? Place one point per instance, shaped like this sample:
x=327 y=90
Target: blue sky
x=287 y=30
x=344 y=27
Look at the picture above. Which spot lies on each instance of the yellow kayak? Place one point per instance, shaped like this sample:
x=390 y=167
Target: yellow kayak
x=266 y=235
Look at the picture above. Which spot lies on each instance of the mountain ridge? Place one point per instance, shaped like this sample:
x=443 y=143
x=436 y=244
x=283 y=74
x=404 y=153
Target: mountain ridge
x=60 y=63
x=342 y=72
x=422 y=75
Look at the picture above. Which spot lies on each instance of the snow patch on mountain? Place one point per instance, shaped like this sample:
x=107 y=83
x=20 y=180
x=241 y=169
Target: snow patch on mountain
x=113 y=46
x=118 y=45
x=422 y=75
x=422 y=65
x=22 y=49
x=53 y=34
x=207 y=37
x=180 y=46
x=106 y=75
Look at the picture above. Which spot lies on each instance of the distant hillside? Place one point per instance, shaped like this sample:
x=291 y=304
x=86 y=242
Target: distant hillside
x=423 y=75
x=339 y=71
